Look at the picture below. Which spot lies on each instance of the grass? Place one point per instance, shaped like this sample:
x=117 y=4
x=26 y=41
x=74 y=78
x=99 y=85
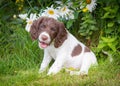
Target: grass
x=106 y=74
x=20 y=60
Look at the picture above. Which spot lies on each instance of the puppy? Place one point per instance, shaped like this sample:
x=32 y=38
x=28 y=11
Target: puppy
x=62 y=46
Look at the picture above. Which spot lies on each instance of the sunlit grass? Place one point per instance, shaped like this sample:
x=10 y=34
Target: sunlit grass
x=106 y=74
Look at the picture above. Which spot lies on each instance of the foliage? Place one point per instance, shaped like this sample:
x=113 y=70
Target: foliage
x=108 y=42
x=87 y=26
x=110 y=28
x=20 y=57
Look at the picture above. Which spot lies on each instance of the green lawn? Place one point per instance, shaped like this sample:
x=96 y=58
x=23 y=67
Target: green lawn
x=106 y=74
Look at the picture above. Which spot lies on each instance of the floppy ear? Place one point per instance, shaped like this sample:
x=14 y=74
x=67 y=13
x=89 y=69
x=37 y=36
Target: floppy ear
x=61 y=36
x=35 y=28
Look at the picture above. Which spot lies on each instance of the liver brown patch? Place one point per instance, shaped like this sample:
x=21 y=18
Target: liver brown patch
x=76 y=51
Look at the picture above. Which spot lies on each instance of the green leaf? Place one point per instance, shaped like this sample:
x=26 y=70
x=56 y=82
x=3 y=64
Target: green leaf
x=108 y=30
x=112 y=46
x=101 y=45
x=107 y=40
x=118 y=18
x=93 y=28
x=76 y=15
x=111 y=24
x=107 y=15
x=107 y=8
x=82 y=34
x=111 y=9
x=69 y=24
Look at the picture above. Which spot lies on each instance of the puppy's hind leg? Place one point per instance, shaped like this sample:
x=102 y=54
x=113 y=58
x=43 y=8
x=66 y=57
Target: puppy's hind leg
x=87 y=61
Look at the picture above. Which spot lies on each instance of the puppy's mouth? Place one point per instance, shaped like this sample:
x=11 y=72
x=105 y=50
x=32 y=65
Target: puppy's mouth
x=43 y=44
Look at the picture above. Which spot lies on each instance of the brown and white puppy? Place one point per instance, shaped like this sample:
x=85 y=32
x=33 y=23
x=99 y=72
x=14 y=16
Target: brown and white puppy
x=62 y=46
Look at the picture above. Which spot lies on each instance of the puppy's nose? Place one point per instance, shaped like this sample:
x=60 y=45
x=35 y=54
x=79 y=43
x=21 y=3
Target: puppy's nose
x=44 y=37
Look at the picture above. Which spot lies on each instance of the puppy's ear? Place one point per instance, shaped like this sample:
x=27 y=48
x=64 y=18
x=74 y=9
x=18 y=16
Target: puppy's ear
x=61 y=36
x=35 y=28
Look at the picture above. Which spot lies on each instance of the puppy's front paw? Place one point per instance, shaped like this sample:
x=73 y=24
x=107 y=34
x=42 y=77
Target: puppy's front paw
x=78 y=73
x=83 y=74
x=41 y=70
x=74 y=73
x=51 y=73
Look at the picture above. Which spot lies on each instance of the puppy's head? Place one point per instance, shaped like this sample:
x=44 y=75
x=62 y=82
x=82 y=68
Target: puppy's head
x=48 y=30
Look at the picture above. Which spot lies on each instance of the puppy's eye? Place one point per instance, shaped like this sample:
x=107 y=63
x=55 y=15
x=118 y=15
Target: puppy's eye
x=53 y=29
x=42 y=26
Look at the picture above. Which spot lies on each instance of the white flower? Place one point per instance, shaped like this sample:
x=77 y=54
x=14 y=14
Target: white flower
x=23 y=16
x=69 y=3
x=91 y=5
x=71 y=15
x=50 y=12
x=59 y=2
x=66 y=13
x=30 y=21
x=82 y=5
